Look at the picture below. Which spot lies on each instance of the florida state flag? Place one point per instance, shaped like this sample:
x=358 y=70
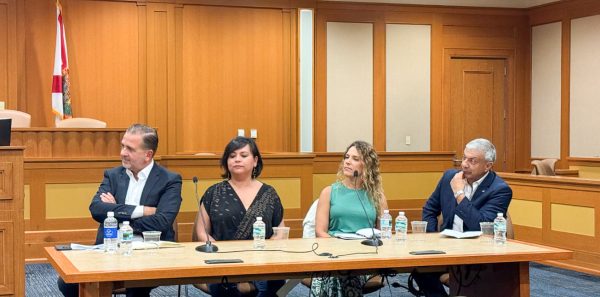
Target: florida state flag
x=61 y=99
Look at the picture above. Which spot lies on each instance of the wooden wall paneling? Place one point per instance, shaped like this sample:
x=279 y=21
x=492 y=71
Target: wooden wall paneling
x=379 y=84
x=233 y=63
x=8 y=53
x=159 y=51
x=254 y=3
x=12 y=267
x=563 y=191
x=68 y=142
x=102 y=46
x=102 y=40
x=290 y=130
x=175 y=112
x=520 y=124
x=320 y=83
x=437 y=115
x=562 y=10
x=142 y=17
x=565 y=89
x=39 y=33
x=294 y=82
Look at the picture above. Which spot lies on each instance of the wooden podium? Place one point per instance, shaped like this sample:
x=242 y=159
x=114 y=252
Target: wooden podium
x=12 y=263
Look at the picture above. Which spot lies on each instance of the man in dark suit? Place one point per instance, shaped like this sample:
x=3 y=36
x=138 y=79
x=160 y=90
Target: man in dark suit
x=140 y=191
x=465 y=198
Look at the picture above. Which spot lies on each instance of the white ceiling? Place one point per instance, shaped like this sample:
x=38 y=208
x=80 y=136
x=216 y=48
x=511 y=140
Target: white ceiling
x=476 y=3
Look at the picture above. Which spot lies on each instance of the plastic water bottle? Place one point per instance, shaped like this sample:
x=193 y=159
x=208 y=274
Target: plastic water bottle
x=500 y=229
x=126 y=246
x=401 y=226
x=258 y=233
x=110 y=233
x=385 y=222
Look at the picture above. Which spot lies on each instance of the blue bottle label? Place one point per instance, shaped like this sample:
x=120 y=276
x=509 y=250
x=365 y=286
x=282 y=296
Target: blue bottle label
x=110 y=233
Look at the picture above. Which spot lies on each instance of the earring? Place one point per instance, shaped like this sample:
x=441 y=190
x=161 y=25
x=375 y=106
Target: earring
x=254 y=173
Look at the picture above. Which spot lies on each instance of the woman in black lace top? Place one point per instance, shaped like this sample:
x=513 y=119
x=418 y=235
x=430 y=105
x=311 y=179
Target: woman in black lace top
x=230 y=207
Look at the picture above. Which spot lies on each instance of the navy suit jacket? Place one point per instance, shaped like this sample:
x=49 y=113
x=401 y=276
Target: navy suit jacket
x=162 y=190
x=491 y=197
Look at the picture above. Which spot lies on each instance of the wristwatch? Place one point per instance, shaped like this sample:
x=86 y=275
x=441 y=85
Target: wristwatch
x=458 y=193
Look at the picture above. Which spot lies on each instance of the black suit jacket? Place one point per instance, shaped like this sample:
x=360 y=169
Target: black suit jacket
x=491 y=197
x=162 y=190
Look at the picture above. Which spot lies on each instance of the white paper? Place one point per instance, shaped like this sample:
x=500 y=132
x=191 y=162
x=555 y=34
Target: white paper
x=348 y=236
x=140 y=245
x=456 y=234
x=360 y=234
x=83 y=247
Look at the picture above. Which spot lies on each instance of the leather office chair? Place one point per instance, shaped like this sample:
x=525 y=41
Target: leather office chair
x=246 y=289
x=544 y=167
x=308 y=225
x=121 y=291
x=81 y=123
x=19 y=119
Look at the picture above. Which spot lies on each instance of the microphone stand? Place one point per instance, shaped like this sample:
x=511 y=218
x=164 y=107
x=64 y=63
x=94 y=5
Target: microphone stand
x=373 y=241
x=208 y=247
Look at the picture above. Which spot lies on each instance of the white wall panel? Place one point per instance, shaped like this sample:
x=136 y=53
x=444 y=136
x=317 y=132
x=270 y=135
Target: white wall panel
x=349 y=84
x=408 y=85
x=585 y=87
x=545 y=90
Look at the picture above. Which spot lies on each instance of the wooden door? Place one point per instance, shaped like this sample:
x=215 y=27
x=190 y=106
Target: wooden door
x=476 y=104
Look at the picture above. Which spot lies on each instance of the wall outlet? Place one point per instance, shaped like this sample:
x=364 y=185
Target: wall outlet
x=253 y=133
x=241 y=132
x=407 y=140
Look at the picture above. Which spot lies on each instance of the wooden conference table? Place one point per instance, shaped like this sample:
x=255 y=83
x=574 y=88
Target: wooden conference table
x=505 y=269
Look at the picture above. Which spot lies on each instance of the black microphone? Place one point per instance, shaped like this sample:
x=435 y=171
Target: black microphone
x=373 y=241
x=208 y=247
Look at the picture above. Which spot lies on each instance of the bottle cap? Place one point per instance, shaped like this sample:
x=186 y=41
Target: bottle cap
x=259 y=218
x=401 y=213
x=500 y=214
x=386 y=211
x=126 y=223
x=110 y=214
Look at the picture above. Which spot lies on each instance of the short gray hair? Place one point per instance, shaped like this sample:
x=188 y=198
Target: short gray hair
x=485 y=146
x=149 y=136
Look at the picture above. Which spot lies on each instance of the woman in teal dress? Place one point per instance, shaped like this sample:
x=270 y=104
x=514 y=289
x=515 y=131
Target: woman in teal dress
x=338 y=210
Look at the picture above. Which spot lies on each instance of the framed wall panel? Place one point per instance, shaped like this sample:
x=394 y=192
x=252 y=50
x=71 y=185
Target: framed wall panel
x=349 y=84
x=546 y=90
x=408 y=85
x=585 y=87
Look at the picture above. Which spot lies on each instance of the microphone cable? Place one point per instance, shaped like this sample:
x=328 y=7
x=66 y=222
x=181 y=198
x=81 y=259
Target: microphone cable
x=374 y=240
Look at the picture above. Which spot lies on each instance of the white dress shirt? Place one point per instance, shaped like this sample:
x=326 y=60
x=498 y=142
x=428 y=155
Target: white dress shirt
x=135 y=188
x=469 y=191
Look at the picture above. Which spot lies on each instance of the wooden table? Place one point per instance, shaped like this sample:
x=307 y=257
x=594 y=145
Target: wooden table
x=98 y=273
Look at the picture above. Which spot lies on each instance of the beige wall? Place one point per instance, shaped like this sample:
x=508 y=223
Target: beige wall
x=585 y=86
x=545 y=90
x=408 y=84
x=349 y=84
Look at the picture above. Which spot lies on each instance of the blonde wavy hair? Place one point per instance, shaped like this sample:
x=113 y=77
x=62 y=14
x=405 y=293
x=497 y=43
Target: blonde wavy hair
x=371 y=178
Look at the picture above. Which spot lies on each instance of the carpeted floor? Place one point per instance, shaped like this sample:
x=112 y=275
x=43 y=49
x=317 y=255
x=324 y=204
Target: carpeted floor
x=546 y=281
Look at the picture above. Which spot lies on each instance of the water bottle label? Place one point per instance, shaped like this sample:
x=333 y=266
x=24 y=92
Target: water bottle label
x=128 y=235
x=385 y=223
x=257 y=231
x=110 y=233
x=401 y=225
x=499 y=226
